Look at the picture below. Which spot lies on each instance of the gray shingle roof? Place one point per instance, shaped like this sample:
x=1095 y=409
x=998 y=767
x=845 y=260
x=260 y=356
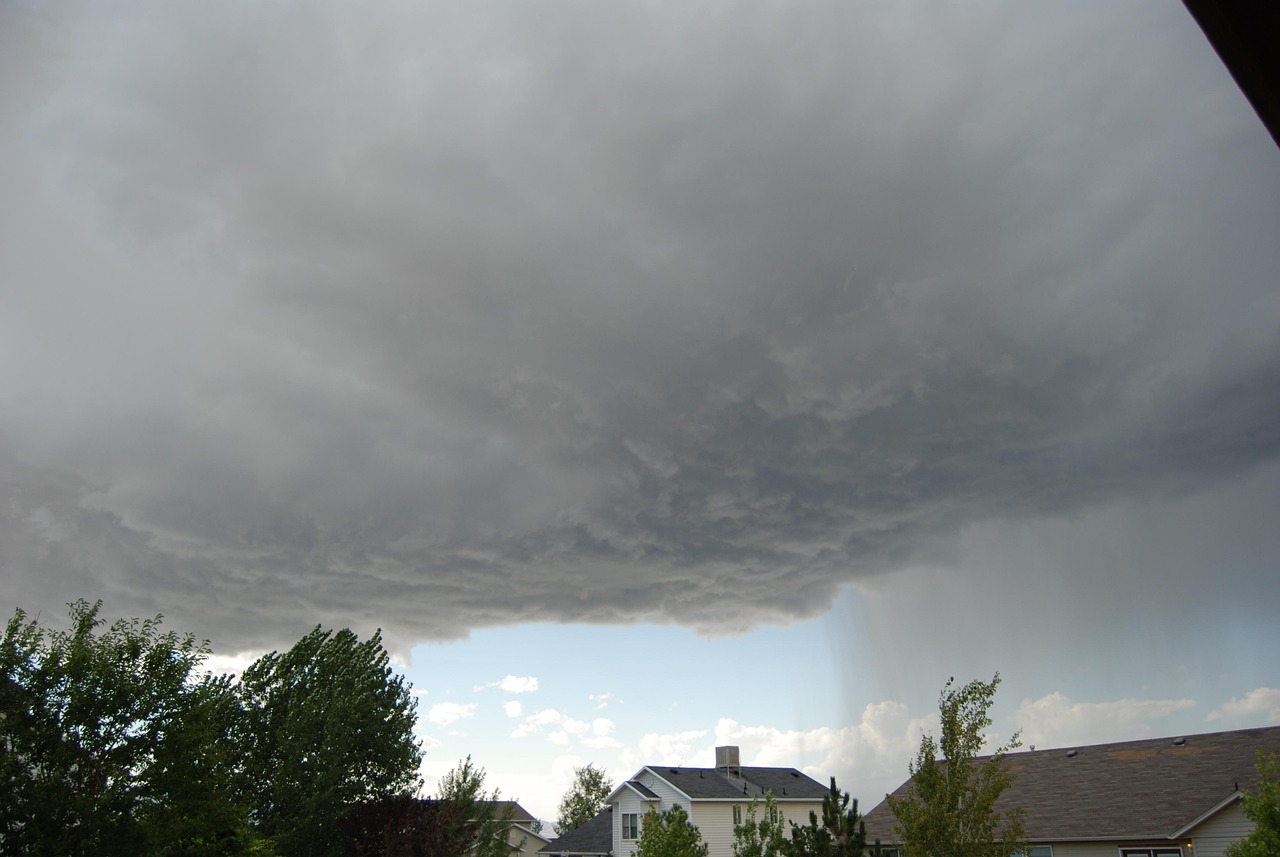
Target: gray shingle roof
x=709 y=784
x=1129 y=790
x=594 y=837
x=643 y=790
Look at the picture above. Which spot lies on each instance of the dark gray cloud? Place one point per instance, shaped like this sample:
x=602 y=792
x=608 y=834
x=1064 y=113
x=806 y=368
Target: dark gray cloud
x=450 y=315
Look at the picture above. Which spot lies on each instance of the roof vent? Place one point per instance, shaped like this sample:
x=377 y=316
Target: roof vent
x=1180 y=742
x=1071 y=754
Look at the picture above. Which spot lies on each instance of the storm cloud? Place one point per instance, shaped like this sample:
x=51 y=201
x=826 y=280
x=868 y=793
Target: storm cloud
x=438 y=316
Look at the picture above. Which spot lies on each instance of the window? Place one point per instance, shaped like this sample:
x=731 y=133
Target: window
x=630 y=825
x=1150 y=852
x=737 y=815
x=1037 y=851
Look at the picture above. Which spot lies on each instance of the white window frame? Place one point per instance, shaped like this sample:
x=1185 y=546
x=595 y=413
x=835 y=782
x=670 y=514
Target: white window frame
x=1153 y=851
x=633 y=827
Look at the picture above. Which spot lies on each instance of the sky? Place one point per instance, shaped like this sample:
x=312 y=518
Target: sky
x=655 y=376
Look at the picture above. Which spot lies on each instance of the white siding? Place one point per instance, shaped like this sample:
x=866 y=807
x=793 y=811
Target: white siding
x=714 y=821
x=1213 y=837
x=628 y=801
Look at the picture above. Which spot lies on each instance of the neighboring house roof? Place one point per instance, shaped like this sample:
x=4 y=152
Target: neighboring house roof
x=747 y=782
x=1152 y=789
x=592 y=838
x=519 y=815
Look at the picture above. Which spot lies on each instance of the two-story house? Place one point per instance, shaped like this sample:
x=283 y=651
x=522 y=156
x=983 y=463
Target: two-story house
x=715 y=798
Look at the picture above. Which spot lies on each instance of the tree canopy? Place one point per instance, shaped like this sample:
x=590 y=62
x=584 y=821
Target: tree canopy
x=585 y=798
x=760 y=833
x=950 y=807
x=670 y=834
x=327 y=726
x=842 y=832
x=486 y=818
x=112 y=744
x=1262 y=807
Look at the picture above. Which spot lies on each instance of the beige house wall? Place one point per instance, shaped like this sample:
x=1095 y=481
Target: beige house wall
x=714 y=820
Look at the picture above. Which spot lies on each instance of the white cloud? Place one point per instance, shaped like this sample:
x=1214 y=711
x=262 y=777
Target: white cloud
x=512 y=708
x=535 y=722
x=229 y=664
x=674 y=748
x=596 y=734
x=601 y=700
x=1055 y=721
x=512 y=684
x=601 y=737
x=446 y=713
x=1263 y=701
x=867 y=758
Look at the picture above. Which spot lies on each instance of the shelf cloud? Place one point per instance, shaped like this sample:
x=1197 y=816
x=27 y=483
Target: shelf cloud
x=455 y=316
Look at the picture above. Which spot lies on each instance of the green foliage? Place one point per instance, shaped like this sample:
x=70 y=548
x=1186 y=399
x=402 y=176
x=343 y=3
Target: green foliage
x=761 y=834
x=670 y=834
x=841 y=834
x=1262 y=807
x=585 y=798
x=950 y=809
x=111 y=745
x=327 y=726
x=486 y=820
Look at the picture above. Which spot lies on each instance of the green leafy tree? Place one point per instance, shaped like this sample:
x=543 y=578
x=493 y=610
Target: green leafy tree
x=585 y=798
x=670 y=834
x=841 y=834
x=1262 y=807
x=950 y=808
x=761 y=834
x=112 y=745
x=327 y=726
x=485 y=819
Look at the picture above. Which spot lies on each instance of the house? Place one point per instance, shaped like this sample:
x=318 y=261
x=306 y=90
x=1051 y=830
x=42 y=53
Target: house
x=522 y=838
x=592 y=839
x=715 y=798
x=1161 y=797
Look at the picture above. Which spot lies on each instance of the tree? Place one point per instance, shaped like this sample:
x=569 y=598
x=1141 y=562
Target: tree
x=670 y=834
x=585 y=798
x=485 y=820
x=327 y=727
x=111 y=745
x=1262 y=807
x=760 y=834
x=405 y=826
x=950 y=807
x=842 y=833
